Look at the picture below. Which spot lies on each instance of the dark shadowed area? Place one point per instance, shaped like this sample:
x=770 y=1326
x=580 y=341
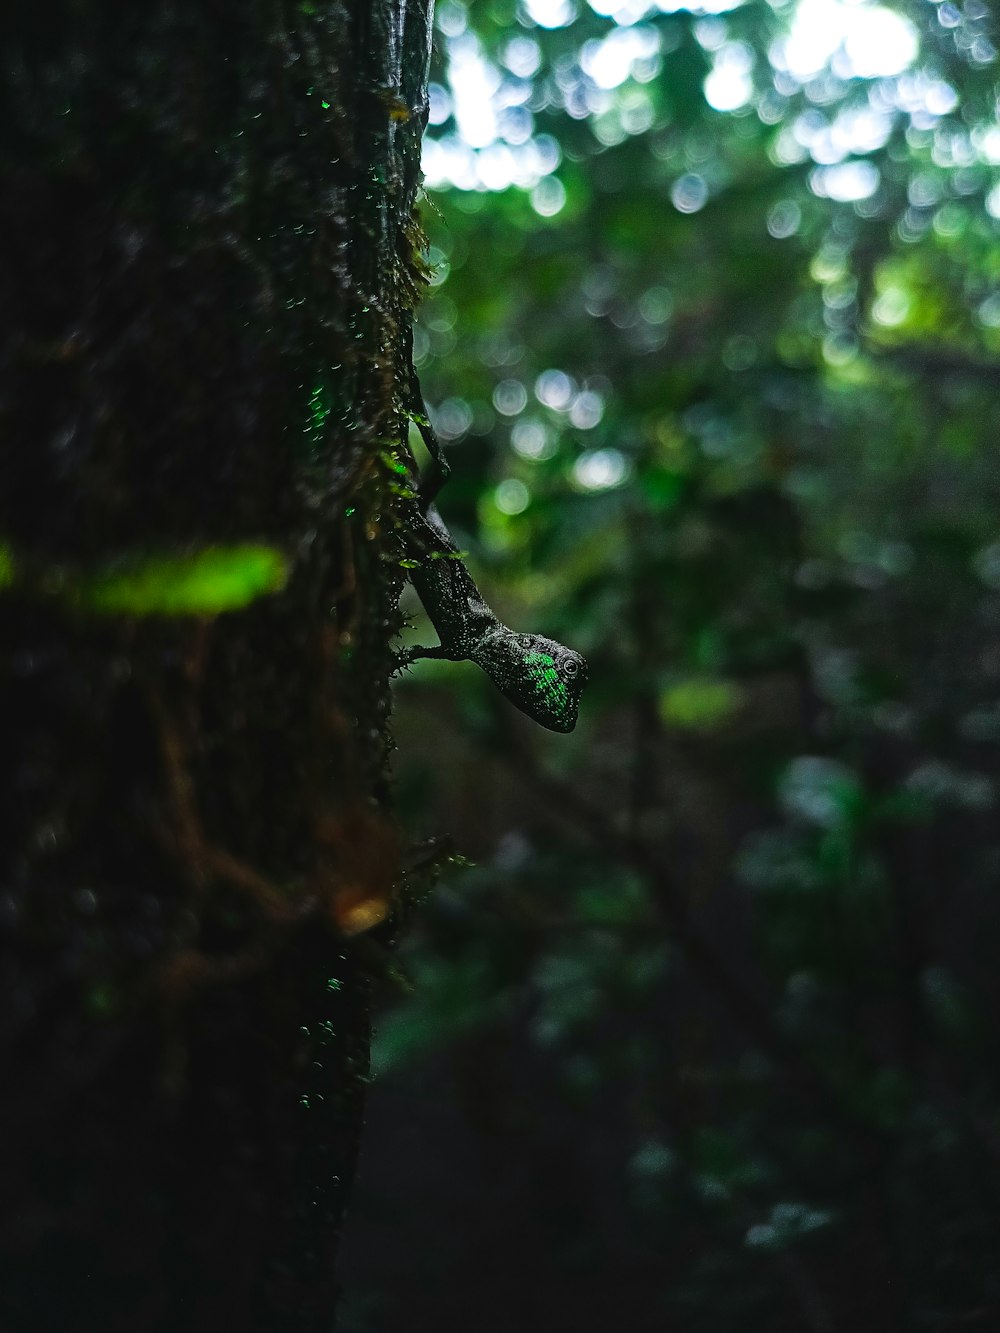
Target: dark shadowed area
x=706 y=1037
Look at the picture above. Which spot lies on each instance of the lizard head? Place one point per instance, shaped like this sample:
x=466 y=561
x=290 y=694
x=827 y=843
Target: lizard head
x=539 y=676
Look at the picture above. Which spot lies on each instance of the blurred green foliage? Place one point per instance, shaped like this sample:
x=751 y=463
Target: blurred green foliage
x=714 y=338
x=202 y=583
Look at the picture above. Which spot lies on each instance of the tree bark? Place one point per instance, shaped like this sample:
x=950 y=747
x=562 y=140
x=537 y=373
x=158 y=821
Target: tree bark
x=207 y=270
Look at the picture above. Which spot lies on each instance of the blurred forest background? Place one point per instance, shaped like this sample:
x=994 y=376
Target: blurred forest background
x=706 y=1037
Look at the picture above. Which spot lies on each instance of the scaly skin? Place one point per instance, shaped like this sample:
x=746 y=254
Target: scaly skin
x=542 y=678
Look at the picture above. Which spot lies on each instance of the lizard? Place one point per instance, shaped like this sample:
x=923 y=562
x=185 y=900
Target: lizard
x=542 y=678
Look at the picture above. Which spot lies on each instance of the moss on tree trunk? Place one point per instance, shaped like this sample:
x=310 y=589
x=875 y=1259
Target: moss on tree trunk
x=207 y=269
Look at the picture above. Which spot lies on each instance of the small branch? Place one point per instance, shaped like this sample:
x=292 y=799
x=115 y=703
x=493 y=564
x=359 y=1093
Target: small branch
x=939 y=363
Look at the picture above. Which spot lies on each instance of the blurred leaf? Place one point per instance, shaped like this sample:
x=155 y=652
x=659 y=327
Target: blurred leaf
x=203 y=583
x=787 y=1223
x=700 y=704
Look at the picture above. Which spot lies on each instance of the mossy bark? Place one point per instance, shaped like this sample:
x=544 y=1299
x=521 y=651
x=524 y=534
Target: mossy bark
x=207 y=269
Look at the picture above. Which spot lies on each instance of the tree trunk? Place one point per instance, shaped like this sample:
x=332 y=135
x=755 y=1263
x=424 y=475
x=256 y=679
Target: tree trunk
x=207 y=270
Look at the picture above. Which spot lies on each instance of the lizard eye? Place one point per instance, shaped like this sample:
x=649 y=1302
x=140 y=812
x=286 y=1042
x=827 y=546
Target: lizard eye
x=570 y=668
x=524 y=640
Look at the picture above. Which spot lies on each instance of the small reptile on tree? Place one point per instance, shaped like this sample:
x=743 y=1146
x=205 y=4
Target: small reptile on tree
x=541 y=677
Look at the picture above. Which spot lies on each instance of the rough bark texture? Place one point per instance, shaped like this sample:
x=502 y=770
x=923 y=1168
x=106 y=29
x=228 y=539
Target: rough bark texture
x=207 y=264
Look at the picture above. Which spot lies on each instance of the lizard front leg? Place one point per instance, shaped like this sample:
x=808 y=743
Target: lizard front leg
x=413 y=654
